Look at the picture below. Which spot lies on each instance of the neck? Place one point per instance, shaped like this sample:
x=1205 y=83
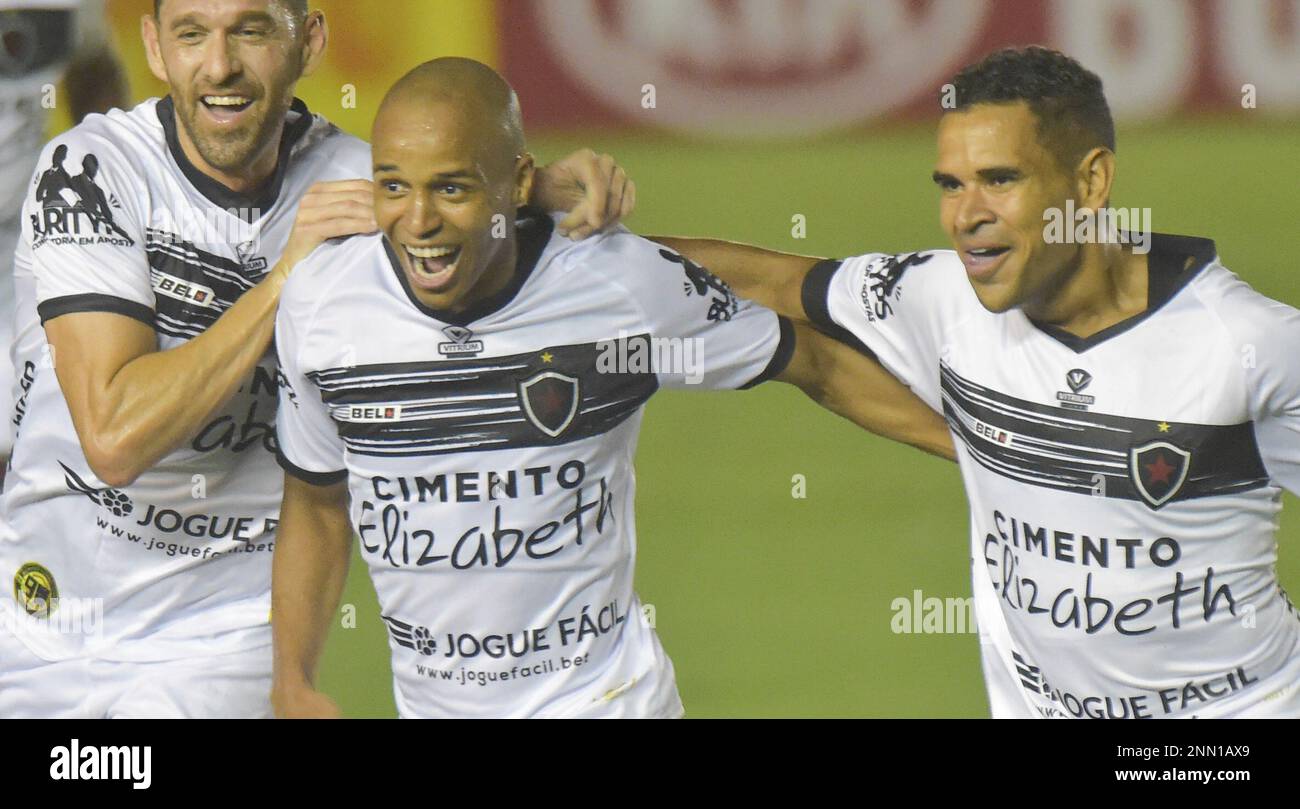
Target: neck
x=1105 y=285
x=245 y=179
x=496 y=278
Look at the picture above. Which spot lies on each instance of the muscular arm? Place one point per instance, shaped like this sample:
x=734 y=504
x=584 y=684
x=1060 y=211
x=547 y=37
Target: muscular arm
x=772 y=279
x=856 y=387
x=132 y=404
x=309 y=568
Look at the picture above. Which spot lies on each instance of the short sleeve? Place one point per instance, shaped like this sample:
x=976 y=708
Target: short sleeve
x=310 y=447
x=83 y=225
x=884 y=305
x=1273 y=376
x=714 y=339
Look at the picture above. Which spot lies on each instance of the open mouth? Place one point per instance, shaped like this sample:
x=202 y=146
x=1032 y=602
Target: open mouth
x=225 y=107
x=982 y=262
x=432 y=268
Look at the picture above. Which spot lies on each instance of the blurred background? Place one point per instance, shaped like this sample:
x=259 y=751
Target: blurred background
x=735 y=117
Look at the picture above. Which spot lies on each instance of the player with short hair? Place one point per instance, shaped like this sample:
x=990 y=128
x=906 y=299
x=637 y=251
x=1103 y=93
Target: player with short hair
x=140 y=512
x=1126 y=419
x=42 y=42
x=462 y=389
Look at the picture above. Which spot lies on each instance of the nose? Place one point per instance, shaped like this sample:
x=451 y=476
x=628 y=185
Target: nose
x=220 y=61
x=972 y=210
x=422 y=219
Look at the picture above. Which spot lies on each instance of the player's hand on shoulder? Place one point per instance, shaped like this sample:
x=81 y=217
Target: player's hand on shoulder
x=303 y=703
x=329 y=210
x=594 y=190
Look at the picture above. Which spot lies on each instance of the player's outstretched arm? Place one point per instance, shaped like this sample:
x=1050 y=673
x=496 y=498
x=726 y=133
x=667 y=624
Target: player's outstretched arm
x=131 y=403
x=308 y=571
x=772 y=279
x=844 y=381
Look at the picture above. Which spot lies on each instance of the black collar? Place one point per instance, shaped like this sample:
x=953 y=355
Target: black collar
x=532 y=232
x=1172 y=263
x=246 y=206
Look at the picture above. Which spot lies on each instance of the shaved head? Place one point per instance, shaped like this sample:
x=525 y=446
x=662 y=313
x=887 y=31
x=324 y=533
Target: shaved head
x=450 y=173
x=483 y=105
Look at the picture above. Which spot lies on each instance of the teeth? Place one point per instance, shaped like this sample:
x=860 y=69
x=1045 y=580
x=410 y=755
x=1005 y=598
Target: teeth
x=225 y=101
x=430 y=252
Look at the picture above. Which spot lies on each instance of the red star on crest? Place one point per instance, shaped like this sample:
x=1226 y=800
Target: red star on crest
x=1160 y=470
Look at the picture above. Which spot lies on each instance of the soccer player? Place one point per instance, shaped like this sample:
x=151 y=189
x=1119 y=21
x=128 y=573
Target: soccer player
x=463 y=390
x=1126 y=419
x=140 y=513
x=44 y=41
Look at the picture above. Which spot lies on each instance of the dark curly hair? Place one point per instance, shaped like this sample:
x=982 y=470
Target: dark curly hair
x=1065 y=97
x=298 y=7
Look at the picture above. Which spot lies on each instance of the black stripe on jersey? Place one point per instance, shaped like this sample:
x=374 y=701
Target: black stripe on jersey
x=780 y=357
x=314 y=478
x=71 y=304
x=225 y=277
x=815 y=296
x=1090 y=453
x=475 y=405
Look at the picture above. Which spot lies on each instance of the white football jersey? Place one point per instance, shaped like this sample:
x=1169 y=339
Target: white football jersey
x=489 y=457
x=117 y=220
x=1124 y=489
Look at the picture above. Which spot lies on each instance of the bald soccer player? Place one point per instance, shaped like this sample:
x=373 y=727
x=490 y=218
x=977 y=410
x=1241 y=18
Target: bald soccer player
x=467 y=378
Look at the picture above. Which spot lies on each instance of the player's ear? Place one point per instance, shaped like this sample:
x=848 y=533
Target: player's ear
x=315 y=37
x=153 y=47
x=1094 y=177
x=524 y=171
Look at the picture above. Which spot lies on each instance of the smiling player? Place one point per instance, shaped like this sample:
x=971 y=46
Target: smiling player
x=140 y=512
x=454 y=383
x=1126 y=421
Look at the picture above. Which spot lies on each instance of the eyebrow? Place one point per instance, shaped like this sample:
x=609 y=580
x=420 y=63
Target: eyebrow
x=940 y=178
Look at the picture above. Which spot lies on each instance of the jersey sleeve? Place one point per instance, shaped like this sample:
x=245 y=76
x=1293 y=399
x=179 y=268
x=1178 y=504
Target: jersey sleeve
x=888 y=306
x=84 y=222
x=707 y=336
x=310 y=448
x=1273 y=375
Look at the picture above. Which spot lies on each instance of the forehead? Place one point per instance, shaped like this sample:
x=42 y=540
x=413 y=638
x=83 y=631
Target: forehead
x=439 y=132
x=989 y=135
x=217 y=9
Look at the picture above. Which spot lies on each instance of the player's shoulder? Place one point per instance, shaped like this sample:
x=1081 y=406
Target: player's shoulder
x=337 y=153
x=1245 y=313
x=123 y=142
x=330 y=272
x=619 y=257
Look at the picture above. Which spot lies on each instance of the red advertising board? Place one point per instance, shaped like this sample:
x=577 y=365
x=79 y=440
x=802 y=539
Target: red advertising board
x=792 y=67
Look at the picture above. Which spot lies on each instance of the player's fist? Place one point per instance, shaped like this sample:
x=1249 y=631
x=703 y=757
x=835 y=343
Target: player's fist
x=594 y=189
x=303 y=703
x=327 y=211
